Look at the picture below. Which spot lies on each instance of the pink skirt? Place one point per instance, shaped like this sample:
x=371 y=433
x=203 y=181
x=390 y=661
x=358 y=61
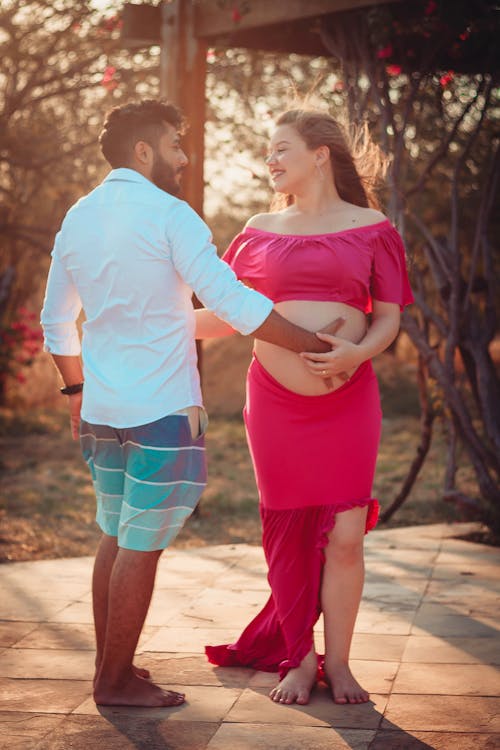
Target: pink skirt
x=314 y=457
x=313 y=450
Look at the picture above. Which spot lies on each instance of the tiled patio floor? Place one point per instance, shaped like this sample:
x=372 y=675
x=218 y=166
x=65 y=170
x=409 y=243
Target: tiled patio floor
x=426 y=645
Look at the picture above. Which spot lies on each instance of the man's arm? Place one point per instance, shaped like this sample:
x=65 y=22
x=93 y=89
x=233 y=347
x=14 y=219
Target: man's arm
x=71 y=371
x=278 y=330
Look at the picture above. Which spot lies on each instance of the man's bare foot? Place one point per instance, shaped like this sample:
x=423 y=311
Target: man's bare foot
x=296 y=686
x=135 y=691
x=345 y=688
x=139 y=671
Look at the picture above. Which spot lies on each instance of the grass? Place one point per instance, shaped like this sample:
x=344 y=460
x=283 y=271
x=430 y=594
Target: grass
x=47 y=504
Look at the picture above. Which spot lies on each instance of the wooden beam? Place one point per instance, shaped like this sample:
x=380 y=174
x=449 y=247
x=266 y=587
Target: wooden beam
x=182 y=81
x=212 y=20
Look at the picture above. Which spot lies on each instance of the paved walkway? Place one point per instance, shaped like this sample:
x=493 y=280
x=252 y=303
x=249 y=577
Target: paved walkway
x=426 y=645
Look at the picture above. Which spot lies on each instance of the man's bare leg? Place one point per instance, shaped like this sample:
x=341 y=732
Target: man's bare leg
x=341 y=590
x=103 y=566
x=130 y=590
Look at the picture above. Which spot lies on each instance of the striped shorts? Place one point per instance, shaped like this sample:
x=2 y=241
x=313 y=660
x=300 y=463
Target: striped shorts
x=147 y=479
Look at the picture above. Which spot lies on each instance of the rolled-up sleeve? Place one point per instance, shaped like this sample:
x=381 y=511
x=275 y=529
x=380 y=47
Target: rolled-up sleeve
x=61 y=308
x=213 y=281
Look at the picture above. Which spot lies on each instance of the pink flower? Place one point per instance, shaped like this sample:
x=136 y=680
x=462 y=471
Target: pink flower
x=430 y=8
x=446 y=78
x=108 y=79
x=211 y=56
x=338 y=86
x=393 y=70
x=384 y=52
x=235 y=14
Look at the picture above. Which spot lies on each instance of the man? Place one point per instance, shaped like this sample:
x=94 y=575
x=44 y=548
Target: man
x=130 y=254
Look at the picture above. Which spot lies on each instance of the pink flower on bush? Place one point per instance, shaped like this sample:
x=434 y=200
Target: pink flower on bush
x=446 y=78
x=430 y=8
x=384 y=52
x=20 y=341
x=108 y=79
x=393 y=70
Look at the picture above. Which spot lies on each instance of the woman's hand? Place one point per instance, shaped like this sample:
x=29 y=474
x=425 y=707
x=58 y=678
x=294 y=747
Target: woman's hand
x=344 y=357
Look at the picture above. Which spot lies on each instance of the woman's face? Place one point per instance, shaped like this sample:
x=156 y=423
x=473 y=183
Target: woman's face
x=290 y=162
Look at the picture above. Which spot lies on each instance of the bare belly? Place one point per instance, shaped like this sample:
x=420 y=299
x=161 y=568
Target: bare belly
x=286 y=366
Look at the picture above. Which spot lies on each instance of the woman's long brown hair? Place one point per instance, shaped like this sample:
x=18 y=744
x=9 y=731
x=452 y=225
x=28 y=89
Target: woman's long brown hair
x=358 y=165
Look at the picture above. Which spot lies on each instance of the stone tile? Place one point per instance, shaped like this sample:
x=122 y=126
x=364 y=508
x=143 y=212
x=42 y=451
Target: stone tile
x=375 y=676
x=69 y=635
x=193 y=669
x=320 y=711
x=190 y=640
x=388 y=623
x=438 y=620
x=30 y=607
x=216 y=607
x=378 y=646
x=458 y=552
x=48 y=663
x=78 y=612
x=396 y=740
x=43 y=696
x=24 y=731
x=442 y=713
x=465 y=569
x=452 y=650
x=119 y=732
x=12 y=632
x=205 y=704
x=169 y=605
x=284 y=737
x=448 y=679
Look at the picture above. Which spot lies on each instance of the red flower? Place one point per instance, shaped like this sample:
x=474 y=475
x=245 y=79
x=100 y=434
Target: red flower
x=430 y=8
x=384 y=52
x=211 y=56
x=235 y=14
x=393 y=70
x=464 y=35
x=108 y=79
x=446 y=78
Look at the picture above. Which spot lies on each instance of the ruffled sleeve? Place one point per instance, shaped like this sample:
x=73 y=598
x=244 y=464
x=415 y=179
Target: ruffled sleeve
x=389 y=280
x=233 y=249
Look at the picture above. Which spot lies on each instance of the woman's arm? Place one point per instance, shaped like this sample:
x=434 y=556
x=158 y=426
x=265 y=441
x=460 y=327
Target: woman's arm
x=209 y=326
x=346 y=355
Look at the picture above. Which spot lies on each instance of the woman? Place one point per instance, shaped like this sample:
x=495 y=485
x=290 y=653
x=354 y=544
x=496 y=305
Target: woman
x=313 y=420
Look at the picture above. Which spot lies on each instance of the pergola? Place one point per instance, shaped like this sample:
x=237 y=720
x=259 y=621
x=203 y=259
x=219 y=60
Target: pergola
x=185 y=29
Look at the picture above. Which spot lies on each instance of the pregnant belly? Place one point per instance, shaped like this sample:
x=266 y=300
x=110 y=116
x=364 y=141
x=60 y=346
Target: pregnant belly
x=286 y=366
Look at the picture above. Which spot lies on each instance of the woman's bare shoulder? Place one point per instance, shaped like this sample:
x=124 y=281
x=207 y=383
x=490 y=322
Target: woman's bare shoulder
x=267 y=222
x=370 y=215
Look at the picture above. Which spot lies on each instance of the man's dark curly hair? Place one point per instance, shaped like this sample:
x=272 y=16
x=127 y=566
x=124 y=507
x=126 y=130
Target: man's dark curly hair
x=136 y=121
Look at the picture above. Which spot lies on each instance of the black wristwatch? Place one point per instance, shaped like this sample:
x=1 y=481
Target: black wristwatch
x=70 y=390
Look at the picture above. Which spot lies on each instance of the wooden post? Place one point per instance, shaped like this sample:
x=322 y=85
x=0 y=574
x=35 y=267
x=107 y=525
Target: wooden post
x=182 y=81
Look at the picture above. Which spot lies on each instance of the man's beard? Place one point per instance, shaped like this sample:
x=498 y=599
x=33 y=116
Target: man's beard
x=164 y=176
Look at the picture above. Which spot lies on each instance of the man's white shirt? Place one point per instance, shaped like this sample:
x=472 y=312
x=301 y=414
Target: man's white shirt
x=132 y=255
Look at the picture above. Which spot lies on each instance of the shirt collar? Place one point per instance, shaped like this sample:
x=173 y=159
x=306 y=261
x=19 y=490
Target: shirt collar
x=124 y=174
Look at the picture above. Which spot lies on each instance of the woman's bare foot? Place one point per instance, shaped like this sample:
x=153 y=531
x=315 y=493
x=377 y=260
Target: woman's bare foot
x=345 y=688
x=296 y=686
x=135 y=691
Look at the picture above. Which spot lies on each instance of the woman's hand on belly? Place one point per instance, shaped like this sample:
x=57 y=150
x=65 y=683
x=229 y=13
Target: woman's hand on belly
x=298 y=374
x=345 y=357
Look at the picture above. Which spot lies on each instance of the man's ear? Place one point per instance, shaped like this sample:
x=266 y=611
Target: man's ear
x=143 y=153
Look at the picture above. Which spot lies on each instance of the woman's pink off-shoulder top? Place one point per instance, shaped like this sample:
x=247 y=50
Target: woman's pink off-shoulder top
x=353 y=266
